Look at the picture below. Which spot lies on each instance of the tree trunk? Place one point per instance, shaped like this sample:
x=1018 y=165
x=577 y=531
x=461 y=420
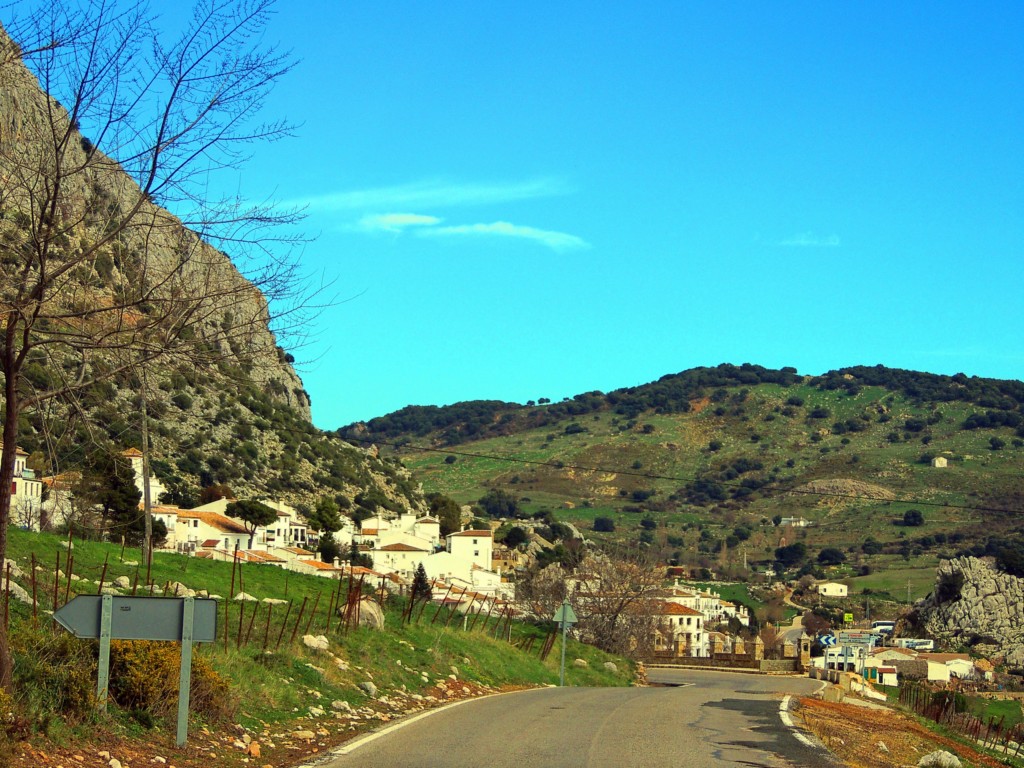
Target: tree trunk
x=10 y=451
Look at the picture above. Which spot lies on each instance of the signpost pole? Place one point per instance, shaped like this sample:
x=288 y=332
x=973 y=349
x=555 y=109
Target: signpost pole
x=170 y=619
x=103 y=676
x=185 y=677
x=565 y=628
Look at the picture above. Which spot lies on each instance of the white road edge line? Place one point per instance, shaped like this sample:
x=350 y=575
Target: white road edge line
x=788 y=722
x=352 y=746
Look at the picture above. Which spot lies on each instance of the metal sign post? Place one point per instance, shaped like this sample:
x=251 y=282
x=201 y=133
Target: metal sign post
x=185 y=676
x=103 y=676
x=115 y=617
x=565 y=616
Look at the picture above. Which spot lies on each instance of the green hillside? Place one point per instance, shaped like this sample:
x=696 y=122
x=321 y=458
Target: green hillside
x=259 y=678
x=716 y=456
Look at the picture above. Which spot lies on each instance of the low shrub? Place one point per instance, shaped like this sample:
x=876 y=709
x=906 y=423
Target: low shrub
x=144 y=676
x=54 y=675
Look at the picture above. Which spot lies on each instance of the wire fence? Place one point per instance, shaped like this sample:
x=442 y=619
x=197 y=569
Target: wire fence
x=348 y=603
x=948 y=709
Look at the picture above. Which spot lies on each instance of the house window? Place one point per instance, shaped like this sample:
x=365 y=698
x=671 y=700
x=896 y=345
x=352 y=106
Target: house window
x=476 y=553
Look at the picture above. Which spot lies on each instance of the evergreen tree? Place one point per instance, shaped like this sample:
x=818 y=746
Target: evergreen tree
x=107 y=483
x=329 y=548
x=447 y=511
x=421 y=590
x=253 y=514
x=355 y=557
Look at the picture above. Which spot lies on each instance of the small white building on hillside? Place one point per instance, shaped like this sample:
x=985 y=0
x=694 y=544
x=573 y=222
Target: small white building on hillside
x=833 y=589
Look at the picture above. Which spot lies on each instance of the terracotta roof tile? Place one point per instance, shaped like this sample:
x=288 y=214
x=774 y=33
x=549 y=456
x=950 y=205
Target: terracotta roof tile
x=674 y=609
x=214 y=520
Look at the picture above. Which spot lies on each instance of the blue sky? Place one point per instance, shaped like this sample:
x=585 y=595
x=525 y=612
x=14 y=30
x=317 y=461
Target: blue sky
x=527 y=200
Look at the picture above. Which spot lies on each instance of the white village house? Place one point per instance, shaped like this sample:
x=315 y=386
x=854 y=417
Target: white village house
x=156 y=488
x=680 y=629
x=26 y=494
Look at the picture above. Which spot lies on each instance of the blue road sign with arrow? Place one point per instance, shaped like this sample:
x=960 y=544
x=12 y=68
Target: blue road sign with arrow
x=827 y=640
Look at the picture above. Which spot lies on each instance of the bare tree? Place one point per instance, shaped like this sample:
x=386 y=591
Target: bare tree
x=618 y=601
x=615 y=600
x=104 y=127
x=541 y=591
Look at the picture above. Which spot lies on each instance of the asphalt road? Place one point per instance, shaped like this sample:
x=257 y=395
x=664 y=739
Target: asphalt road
x=699 y=719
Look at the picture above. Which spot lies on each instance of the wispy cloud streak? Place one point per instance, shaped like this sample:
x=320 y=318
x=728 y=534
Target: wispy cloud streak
x=556 y=241
x=396 y=222
x=434 y=194
x=811 y=240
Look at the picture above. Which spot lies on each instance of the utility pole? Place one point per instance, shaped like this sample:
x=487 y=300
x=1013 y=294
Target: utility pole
x=147 y=506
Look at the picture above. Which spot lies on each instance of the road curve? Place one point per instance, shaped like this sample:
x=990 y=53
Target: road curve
x=698 y=719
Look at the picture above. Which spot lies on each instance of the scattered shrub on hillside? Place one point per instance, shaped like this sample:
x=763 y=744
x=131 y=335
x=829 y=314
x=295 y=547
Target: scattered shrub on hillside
x=499 y=503
x=182 y=400
x=791 y=555
x=913 y=518
x=144 y=676
x=604 y=525
x=871 y=546
x=831 y=556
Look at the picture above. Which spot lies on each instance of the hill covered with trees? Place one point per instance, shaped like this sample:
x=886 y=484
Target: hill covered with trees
x=737 y=468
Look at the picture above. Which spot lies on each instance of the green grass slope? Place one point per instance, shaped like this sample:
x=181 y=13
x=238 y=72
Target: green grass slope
x=272 y=680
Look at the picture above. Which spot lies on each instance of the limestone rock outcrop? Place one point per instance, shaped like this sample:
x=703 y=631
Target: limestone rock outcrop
x=975 y=603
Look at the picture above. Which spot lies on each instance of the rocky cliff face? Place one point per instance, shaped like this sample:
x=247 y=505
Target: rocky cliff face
x=974 y=604
x=225 y=404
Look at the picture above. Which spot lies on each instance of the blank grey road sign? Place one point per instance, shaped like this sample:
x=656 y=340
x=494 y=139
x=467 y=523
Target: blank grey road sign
x=565 y=614
x=139 y=618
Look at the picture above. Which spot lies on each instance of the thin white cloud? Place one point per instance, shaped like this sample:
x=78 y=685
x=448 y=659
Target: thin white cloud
x=434 y=194
x=811 y=240
x=396 y=222
x=556 y=241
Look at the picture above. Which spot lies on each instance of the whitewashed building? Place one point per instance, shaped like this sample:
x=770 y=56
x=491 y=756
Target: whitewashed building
x=833 y=589
x=156 y=488
x=680 y=629
x=26 y=494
